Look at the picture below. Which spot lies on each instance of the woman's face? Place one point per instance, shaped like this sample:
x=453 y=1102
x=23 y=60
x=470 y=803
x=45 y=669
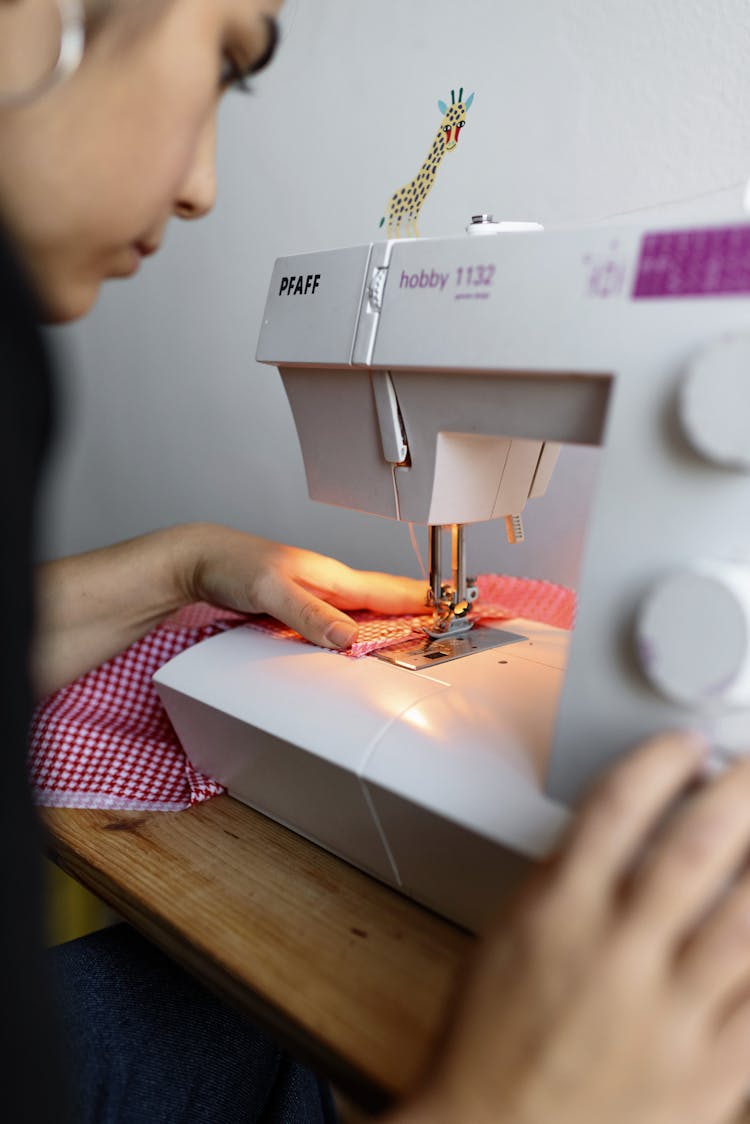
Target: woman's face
x=91 y=172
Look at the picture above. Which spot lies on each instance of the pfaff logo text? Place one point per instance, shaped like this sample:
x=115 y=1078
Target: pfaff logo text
x=299 y=286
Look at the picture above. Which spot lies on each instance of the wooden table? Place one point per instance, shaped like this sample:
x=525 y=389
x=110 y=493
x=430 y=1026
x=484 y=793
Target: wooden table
x=352 y=976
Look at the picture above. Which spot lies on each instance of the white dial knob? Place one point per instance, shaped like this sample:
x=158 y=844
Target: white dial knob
x=693 y=635
x=714 y=402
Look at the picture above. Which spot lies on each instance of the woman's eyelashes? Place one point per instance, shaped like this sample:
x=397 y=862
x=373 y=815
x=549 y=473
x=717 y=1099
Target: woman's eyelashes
x=272 y=42
x=237 y=75
x=234 y=76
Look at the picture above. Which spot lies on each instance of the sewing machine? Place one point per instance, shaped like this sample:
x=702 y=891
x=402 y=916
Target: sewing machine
x=434 y=381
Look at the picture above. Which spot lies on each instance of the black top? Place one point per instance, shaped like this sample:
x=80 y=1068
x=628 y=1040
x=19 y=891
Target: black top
x=29 y=1063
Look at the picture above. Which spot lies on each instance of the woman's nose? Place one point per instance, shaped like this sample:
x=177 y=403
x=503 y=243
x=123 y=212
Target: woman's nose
x=197 y=194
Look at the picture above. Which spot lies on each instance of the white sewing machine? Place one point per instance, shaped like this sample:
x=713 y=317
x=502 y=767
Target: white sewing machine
x=433 y=381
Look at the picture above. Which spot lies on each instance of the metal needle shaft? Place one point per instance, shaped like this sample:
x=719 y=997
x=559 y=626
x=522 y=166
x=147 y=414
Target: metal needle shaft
x=435 y=540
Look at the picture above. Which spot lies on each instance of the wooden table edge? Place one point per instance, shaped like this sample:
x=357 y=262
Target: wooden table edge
x=368 y=1086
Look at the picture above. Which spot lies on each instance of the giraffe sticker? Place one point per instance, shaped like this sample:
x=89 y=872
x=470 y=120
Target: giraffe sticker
x=406 y=202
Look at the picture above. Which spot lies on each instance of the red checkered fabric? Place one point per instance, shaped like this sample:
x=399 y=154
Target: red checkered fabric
x=105 y=741
x=500 y=598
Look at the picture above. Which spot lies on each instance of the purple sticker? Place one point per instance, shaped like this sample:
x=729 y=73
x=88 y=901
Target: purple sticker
x=694 y=263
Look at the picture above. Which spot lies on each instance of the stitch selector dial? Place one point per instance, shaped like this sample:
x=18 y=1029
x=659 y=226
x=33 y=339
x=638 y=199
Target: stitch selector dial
x=714 y=402
x=693 y=635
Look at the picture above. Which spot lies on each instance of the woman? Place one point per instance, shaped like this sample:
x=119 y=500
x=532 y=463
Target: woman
x=91 y=170
x=616 y=990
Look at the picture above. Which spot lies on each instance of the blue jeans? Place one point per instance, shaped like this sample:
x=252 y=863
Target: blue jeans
x=146 y=1044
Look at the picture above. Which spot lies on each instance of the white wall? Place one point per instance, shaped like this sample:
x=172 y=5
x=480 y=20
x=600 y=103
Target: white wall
x=583 y=109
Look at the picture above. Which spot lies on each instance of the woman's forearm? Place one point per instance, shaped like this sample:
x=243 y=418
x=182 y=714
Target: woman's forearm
x=93 y=605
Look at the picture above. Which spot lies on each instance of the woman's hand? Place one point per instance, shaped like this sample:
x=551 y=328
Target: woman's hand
x=306 y=591
x=618 y=989
x=93 y=605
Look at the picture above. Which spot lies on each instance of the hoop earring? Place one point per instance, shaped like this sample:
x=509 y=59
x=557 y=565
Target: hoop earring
x=69 y=55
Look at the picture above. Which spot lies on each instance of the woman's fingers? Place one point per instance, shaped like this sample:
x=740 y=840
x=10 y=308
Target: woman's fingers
x=715 y=963
x=699 y=851
x=618 y=815
x=727 y=1072
x=387 y=593
x=361 y=589
x=314 y=619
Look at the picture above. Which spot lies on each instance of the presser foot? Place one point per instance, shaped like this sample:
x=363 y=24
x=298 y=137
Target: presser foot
x=450 y=618
x=429 y=651
x=452 y=628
